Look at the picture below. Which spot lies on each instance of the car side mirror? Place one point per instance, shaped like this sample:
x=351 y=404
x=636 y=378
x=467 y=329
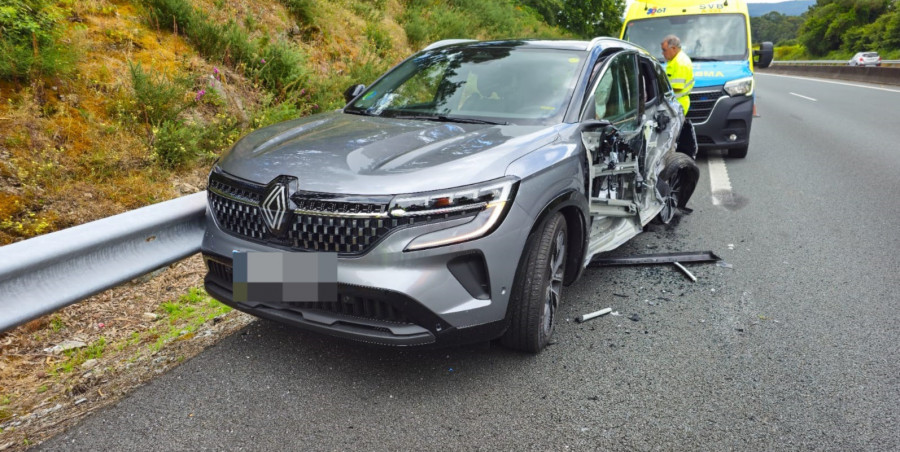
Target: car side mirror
x=763 y=57
x=353 y=91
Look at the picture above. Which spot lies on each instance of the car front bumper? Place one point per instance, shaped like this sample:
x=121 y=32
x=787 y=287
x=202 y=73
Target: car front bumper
x=388 y=296
x=720 y=121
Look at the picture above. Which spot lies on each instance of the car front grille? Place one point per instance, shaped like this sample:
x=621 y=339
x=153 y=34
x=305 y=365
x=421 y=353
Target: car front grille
x=236 y=217
x=702 y=104
x=319 y=222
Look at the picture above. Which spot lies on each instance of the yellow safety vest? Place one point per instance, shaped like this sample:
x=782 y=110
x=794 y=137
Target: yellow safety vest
x=681 y=75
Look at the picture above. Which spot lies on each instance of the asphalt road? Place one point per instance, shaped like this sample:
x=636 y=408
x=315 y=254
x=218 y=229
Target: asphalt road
x=795 y=347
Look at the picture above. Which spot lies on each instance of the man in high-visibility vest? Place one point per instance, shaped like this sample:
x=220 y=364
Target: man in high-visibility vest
x=680 y=71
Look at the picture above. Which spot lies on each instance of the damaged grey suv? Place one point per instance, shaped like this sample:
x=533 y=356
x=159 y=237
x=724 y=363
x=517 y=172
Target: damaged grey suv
x=452 y=199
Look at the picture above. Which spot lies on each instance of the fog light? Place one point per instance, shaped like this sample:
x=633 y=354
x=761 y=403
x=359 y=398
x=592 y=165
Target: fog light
x=732 y=137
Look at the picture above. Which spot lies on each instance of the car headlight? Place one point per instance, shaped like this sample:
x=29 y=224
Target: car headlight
x=487 y=203
x=739 y=87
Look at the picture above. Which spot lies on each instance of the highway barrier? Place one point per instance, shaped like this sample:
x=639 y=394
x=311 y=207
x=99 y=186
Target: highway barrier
x=45 y=273
x=888 y=75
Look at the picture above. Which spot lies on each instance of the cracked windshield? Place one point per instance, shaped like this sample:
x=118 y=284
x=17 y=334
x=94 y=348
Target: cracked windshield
x=502 y=84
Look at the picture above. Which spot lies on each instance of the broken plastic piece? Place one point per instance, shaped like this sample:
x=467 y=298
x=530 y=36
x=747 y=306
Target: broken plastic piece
x=686 y=272
x=663 y=258
x=586 y=317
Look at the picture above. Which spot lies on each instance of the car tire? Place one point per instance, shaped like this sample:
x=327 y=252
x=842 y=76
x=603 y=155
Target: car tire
x=738 y=153
x=680 y=175
x=537 y=292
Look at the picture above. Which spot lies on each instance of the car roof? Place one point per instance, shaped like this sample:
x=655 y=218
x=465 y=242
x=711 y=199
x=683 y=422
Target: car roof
x=602 y=42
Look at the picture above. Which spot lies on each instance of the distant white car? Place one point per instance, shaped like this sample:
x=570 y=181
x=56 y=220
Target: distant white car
x=865 y=59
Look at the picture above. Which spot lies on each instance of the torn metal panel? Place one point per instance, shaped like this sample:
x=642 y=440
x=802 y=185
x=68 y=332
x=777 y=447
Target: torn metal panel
x=660 y=258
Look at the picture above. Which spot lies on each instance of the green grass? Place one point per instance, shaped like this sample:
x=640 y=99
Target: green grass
x=178 y=320
x=182 y=317
x=77 y=357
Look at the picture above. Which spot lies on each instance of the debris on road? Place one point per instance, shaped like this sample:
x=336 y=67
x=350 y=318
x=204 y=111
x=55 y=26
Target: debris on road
x=661 y=258
x=149 y=316
x=586 y=317
x=635 y=318
x=685 y=271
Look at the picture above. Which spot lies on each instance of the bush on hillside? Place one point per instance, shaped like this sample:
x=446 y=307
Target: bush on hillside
x=29 y=40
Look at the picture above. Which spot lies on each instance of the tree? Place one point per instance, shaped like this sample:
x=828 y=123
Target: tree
x=845 y=25
x=775 y=27
x=584 y=18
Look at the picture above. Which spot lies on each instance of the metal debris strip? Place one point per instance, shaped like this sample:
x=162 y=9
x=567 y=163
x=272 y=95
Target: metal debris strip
x=586 y=317
x=685 y=271
x=660 y=258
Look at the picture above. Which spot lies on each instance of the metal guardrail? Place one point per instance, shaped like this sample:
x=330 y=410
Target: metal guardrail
x=826 y=62
x=46 y=273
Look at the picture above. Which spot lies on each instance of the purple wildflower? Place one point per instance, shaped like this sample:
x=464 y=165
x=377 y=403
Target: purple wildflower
x=262 y=60
x=199 y=94
x=215 y=70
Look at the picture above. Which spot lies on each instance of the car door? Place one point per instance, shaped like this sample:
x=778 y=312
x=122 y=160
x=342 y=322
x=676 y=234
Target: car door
x=659 y=122
x=613 y=136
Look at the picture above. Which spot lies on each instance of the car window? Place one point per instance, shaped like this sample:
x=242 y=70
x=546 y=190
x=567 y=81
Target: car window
x=870 y=54
x=648 y=80
x=662 y=80
x=506 y=83
x=616 y=96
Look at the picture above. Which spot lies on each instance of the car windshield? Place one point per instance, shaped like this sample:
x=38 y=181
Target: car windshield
x=476 y=84
x=711 y=37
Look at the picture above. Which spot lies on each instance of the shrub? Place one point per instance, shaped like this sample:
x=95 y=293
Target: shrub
x=158 y=99
x=303 y=10
x=29 y=34
x=277 y=65
x=379 y=38
x=176 y=143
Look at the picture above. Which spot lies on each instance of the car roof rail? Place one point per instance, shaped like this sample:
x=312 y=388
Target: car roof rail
x=447 y=42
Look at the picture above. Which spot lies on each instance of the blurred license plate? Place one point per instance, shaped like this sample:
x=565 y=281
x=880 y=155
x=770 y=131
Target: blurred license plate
x=284 y=277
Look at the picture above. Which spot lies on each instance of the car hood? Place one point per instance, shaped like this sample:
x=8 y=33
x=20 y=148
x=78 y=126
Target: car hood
x=351 y=154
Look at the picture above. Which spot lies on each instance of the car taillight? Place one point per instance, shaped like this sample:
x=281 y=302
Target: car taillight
x=860 y=59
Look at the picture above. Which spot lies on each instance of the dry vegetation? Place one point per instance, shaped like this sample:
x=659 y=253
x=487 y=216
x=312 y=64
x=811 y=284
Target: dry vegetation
x=120 y=109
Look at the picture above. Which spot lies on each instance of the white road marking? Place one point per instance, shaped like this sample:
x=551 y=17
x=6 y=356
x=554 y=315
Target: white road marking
x=831 y=81
x=719 y=184
x=800 y=95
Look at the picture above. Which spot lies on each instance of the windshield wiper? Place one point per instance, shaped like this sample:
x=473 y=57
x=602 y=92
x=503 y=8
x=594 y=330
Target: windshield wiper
x=443 y=118
x=359 y=112
x=704 y=59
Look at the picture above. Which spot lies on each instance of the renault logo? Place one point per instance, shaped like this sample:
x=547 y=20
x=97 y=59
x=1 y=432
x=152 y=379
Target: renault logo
x=275 y=206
